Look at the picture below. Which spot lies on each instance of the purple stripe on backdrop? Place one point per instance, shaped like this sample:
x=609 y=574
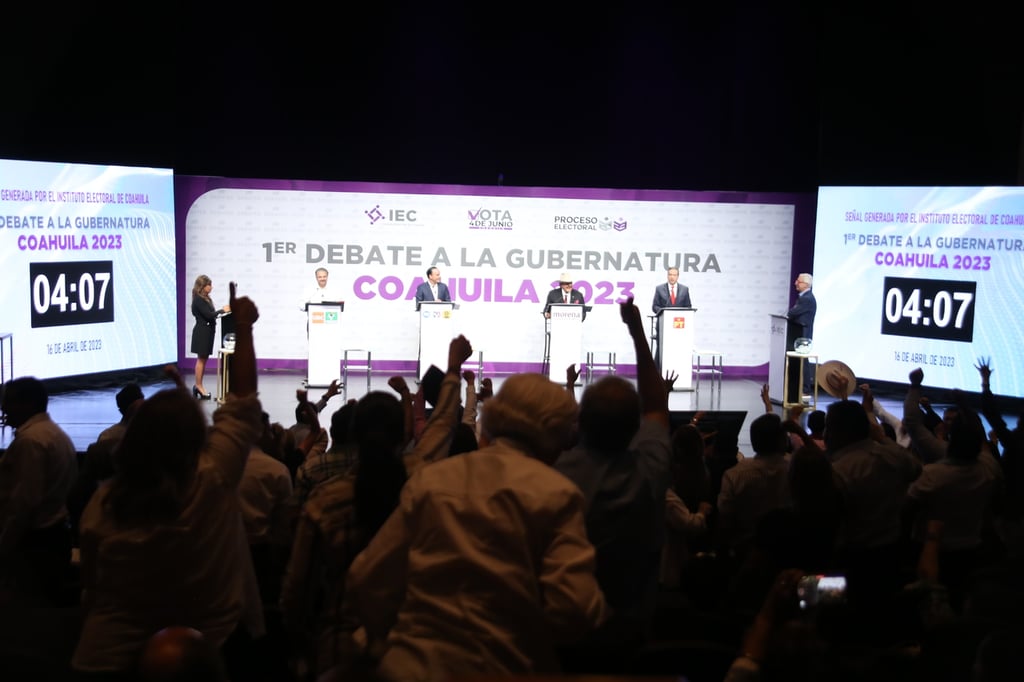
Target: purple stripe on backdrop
x=188 y=188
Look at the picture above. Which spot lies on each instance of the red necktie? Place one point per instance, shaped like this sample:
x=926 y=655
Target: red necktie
x=565 y=298
x=672 y=295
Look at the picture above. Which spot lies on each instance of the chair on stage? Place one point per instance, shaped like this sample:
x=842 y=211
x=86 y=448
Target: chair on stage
x=708 y=363
x=593 y=364
x=364 y=363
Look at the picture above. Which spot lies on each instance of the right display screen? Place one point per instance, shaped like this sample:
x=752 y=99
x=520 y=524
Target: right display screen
x=929 y=277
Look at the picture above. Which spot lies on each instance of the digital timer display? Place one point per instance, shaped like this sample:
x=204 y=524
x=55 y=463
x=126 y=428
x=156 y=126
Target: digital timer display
x=80 y=292
x=929 y=308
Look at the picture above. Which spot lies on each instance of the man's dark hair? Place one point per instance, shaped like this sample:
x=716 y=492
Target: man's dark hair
x=766 y=434
x=609 y=414
x=28 y=391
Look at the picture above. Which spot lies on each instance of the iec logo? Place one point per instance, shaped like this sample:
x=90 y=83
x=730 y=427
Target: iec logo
x=374 y=215
x=393 y=215
x=619 y=224
x=679 y=323
x=330 y=316
x=318 y=318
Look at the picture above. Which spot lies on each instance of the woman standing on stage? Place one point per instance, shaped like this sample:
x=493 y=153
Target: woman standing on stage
x=204 y=330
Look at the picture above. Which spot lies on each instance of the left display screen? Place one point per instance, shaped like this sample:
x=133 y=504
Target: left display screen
x=89 y=268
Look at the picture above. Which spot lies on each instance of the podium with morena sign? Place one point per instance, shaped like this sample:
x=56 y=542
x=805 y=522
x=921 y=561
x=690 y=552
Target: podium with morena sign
x=565 y=338
x=675 y=344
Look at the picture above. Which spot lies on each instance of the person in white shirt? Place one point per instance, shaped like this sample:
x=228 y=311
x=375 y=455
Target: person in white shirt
x=321 y=292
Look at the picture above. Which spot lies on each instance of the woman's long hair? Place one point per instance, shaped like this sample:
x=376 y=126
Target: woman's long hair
x=198 y=288
x=156 y=461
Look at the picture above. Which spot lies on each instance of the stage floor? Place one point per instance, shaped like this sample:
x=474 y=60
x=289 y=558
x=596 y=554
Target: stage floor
x=83 y=413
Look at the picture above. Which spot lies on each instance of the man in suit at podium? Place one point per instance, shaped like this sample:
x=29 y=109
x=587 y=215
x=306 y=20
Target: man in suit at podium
x=801 y=325
x=803 y=311
x=564 y=293
x=671 y=294
x=433 y=289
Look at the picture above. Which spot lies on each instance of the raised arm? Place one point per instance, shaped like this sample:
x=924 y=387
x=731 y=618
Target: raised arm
x=436 y=439
x=988 y=403
x=653 y=398
x=928 y=447
x=239 y=422
x=405 y=395
x=868 y=402
x=469 y=406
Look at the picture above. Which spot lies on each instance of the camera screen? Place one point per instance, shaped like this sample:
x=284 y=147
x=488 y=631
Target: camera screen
x=815 y=590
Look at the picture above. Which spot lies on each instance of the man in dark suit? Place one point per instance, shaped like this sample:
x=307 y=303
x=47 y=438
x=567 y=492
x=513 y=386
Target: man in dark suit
x=801 y=320
x=803 y=311
x=433 y=289
x=564 y=293
x=672 y=293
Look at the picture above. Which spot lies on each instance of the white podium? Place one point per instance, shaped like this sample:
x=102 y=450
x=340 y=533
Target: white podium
x=675 y=344
x=777 y=358
x=566 y=339
x=324 y=339
x=435 y=335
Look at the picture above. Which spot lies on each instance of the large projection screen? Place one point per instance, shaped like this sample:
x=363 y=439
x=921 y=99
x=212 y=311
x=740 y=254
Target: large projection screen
x=929 y=277
x=500 y=250
x=88 y=265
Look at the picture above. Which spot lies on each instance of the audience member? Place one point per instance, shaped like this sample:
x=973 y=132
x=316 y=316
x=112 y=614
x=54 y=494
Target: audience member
x=163 y=542
x=180 y=654
x=340 y=517
x=340 y=458
x=129 y=399
x=962 y=491
x=928 y=446
x=622 y=466
x=1012 y=442
x=485 y=566
x=265 y=499
x=36 y=475
x=754 y=486
x=873 y=478
x=687 y=505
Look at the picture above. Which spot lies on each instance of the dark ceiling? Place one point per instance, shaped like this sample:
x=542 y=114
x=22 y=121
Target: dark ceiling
x=770 y=97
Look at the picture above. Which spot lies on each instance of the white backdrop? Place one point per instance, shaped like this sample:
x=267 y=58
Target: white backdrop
x=499 y=256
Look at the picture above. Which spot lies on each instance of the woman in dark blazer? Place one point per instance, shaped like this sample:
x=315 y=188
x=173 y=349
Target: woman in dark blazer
x=204 y=331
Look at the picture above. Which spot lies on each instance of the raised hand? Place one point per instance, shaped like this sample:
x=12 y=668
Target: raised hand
x=839 y=383
x=459 y=351
x=984 y=368
x=571 y=375
x=916 y=376
x=486 y=389
x=469 y=376
x=171 y=372
x=869 y=398
x=243 y=308
x=670 y=380
x=398 y=384
x=629 y=312
x=332 y=390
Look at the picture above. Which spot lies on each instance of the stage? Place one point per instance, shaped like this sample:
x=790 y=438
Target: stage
x=85 y=411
